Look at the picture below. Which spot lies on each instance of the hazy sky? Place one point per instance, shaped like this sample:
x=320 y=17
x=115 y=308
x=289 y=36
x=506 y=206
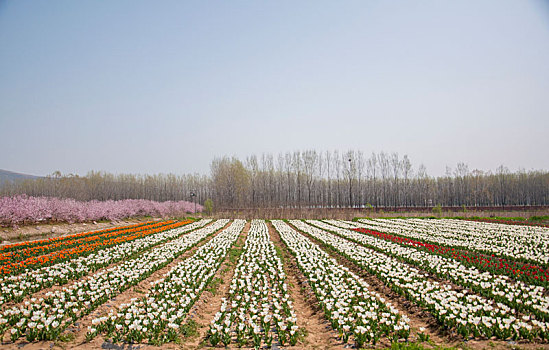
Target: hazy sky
x=165 y=86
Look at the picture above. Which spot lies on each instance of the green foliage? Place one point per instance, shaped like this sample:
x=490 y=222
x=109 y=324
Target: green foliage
x=437 y=210
x=214 y=285
x=279 y=254
x=358 y=218
x=231 y=181
x=208 y=206
x=66 y=337
x=510 y=218
x=417 y=346
x=234 y=254
x=539 y=218
x=189 y=329
x=406 y=346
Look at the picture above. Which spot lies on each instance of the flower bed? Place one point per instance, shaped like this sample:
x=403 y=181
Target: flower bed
x=16 y=287
x=258 y=306
x=45 y=319
x=158 y=316
x=517 y=295
x=351 y=307
x=38 y=261
x=466 y=313
x=525 y=244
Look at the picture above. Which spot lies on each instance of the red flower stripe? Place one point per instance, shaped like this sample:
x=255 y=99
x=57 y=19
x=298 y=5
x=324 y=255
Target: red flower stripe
x=499 y=265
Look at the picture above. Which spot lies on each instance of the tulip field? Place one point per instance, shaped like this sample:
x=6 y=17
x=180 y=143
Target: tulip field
x=266 y=284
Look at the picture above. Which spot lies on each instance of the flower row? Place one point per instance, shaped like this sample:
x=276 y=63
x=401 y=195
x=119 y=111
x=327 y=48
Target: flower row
x=258 y=305
x=531 y=274
x=45 y=319
x=158 y=315
x=47 y=241
x=467 y=313
x=80 y=250
x=517 y=295
x=349 y=304
x=515 y=243
x=14 y=256
x=16 y=287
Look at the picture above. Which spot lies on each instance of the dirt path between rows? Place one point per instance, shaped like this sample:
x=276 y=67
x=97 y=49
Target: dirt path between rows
x=310 y=317
x=209 y=303
x=434 y=277
x=318 y=335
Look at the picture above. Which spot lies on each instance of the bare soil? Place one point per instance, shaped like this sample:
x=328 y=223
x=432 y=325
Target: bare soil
x=210 y=301
x=350 y=213
x=418 y=316
x=138 y=291
x=318 y=333
x=43 y=231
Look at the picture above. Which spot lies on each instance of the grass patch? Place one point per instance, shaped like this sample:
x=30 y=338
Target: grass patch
x=189 y=329
x=400 y=217
x=302 y=334
x=505 y=218
x=280 y=255
x=234 y=254
x=213 y=286
x=539 y=218
x=417 y=346
x=66 y=337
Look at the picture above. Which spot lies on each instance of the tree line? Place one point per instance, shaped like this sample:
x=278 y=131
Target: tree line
x=307 y=179
x=106 y=186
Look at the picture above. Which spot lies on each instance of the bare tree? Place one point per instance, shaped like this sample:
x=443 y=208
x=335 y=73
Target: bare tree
x=406 y=167
x=372 y=170
x=385 y=170
x=395 y=166
x=309 y=164
x=502 y=175
x=329 y=173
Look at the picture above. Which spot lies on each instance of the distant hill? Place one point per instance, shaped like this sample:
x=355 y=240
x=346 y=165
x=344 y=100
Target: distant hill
x=6 y=175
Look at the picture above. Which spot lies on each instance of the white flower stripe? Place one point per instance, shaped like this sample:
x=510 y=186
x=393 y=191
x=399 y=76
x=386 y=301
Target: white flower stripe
x=515 y=294
x=258 y=304
x=349 y=304
x=526 y=243
x=159 y=315
x=467 y=313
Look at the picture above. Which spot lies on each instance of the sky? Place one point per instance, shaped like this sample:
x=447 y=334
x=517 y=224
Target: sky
x=166 y=86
